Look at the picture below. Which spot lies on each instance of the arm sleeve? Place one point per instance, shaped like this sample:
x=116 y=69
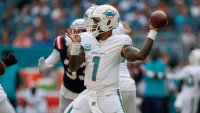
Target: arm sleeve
x=179 y=75
x=127 y=40
x=59 y=44
x=53 y=58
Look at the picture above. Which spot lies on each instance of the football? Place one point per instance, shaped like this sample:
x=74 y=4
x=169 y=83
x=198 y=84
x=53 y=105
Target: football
x=158 y=19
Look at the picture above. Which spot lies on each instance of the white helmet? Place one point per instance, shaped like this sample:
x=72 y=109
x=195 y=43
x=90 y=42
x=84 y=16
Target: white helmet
x=107 y=16
x=194 y=57
x=79 y=25
x=89 y=11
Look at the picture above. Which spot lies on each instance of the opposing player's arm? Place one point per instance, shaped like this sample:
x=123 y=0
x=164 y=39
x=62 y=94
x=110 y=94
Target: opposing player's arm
x=53 y=58
x=75 y=61
x=45 y=65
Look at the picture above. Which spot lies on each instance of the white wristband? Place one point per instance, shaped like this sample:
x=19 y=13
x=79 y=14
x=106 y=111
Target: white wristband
x=75 y=48
x=152 y=34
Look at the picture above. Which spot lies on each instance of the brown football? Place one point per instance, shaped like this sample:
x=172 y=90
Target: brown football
x=158 y=19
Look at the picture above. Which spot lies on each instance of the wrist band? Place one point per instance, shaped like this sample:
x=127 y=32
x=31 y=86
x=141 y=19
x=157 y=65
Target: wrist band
x=152 y=34
x=75 y=48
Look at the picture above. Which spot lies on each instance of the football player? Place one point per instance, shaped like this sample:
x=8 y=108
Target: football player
x=5 y=106
x=127 y=85
x=72 y=81
x=103 y=52
x=188 y=98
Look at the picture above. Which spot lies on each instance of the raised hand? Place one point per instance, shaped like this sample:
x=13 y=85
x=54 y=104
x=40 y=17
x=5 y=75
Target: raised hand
x=43 y=66
x=73 y=35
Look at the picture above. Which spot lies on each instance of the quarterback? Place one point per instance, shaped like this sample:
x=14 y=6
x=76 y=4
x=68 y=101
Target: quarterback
x=103 y=53
x=127 y=85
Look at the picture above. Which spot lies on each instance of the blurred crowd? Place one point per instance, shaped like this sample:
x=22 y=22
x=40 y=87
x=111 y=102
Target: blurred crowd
x=29 y=23
x=26 y=23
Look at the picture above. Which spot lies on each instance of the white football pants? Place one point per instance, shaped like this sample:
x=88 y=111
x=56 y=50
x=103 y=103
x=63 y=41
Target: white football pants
x=97 y=102
x=128 y=91
x=66 y=97
x=186 y=103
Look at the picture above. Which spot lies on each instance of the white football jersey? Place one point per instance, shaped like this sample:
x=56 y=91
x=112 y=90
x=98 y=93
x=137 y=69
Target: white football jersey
x=102 y=60
x=119 y=30
x=191 y=75
x=123 y=70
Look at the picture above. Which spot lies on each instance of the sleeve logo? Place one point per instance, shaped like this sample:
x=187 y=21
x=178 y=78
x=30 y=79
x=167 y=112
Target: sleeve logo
x=87 y=47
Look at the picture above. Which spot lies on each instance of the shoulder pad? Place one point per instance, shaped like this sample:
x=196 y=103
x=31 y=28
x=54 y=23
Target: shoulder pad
x=59 y=42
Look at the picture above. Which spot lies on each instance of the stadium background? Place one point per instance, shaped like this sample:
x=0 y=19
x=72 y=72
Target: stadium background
x=29 y=27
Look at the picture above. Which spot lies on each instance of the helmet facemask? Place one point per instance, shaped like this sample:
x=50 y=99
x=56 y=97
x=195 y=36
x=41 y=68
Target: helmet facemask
x=93 y=26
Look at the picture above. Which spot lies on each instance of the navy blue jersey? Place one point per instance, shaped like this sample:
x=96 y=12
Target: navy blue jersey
x=74 y=81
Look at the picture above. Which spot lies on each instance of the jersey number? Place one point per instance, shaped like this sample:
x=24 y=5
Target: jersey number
x=95 y=60
x=74 y=76
x=189 y=81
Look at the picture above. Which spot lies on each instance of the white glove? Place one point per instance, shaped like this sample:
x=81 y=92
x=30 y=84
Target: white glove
x=43 y=66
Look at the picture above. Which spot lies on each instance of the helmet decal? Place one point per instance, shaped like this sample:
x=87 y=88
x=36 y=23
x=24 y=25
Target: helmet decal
x=110 y=13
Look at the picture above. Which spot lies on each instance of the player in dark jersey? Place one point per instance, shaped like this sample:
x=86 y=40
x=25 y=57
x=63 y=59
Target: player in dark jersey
x=73 y=83
x=5 y=106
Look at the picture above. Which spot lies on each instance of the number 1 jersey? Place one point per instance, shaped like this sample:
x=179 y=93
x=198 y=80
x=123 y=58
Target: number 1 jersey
x=102 y=60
